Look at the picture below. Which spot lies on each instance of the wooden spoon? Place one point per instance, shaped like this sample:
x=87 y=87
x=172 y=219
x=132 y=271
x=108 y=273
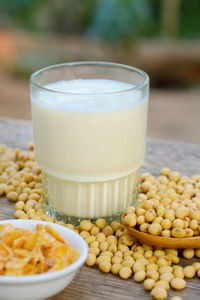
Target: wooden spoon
x=164 y=242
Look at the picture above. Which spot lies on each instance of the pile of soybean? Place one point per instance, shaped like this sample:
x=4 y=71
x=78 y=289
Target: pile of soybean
x=168 y=205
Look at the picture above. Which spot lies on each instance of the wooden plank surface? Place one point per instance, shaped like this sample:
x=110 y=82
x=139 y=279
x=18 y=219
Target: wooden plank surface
x=90 y=283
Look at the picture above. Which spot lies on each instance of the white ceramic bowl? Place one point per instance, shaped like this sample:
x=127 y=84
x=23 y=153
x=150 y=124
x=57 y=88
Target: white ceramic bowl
x=41 y=286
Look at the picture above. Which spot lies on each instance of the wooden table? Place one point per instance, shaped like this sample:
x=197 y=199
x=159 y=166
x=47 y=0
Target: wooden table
x=90 y=283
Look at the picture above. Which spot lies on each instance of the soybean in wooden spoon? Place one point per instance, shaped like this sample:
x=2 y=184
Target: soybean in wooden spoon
x=164 y=242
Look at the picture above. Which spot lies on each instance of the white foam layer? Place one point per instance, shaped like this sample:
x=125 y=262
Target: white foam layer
x=89 y=95
x=89 y=86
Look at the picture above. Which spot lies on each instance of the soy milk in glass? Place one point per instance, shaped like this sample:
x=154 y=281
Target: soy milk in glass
x=89 y=123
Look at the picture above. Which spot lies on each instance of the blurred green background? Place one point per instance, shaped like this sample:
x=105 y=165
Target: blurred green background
x=160 y=36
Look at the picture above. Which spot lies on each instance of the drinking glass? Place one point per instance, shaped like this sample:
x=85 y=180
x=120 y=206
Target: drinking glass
x=89 y=141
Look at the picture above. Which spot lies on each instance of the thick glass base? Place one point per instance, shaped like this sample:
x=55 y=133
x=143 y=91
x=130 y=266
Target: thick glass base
x=76 y=221
x=71 y=202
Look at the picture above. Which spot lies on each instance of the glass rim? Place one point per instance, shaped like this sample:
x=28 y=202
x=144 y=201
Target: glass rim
x=90 y=63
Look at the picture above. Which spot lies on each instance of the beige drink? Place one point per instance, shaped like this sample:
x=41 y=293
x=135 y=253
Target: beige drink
x=89 y=123
x=89 y=150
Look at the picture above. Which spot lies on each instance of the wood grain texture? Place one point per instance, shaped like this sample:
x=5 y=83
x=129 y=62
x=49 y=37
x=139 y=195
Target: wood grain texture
x=90 y=283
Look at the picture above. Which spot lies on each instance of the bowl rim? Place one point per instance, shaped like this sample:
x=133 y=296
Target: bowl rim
x=51 y=275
